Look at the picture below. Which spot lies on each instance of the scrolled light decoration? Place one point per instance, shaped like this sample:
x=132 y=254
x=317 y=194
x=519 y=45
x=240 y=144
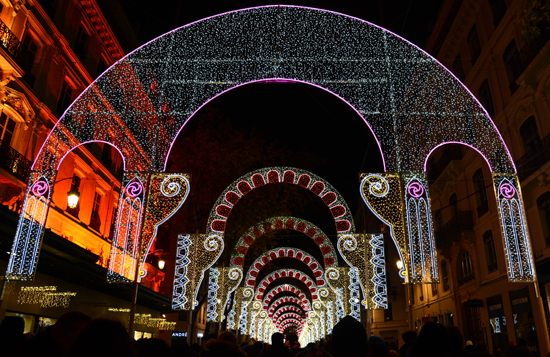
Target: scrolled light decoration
x=167 y=193
x=212 y=300
x=28 y=237
x=339 y=281
x=421 y=240
x=519 y=257
x=243 y=297
x=328 y=297
x=196 y=253
x=386 y=203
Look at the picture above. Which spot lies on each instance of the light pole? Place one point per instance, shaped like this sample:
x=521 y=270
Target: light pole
x=408 y=294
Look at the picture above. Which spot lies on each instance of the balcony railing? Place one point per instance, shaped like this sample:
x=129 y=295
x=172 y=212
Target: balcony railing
x=452 y=230
x=537 y=156
x=11 y=44
x=15 y=163
x=450 y=153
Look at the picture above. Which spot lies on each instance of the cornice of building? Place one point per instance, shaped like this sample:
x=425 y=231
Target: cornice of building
x=95 y=16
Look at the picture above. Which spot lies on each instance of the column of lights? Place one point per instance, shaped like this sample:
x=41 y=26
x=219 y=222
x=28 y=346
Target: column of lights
x=355 y=294
x=246 y=183
x=195 y=254
x=243 y=297
x=519 y=257
x=328 y=299
x=365 y=253
x=222 y=283
x=410 y=222
x=285 y=222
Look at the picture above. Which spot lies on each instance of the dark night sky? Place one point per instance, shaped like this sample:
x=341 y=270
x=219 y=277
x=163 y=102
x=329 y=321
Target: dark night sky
x=286 y=124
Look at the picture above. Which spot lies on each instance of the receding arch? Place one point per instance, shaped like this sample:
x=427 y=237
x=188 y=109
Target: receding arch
x=284 y=308
x=292 y=223
x=289 y=175
x=285 y=252
x=281 y=301
x=286 y=273
x=291 y=289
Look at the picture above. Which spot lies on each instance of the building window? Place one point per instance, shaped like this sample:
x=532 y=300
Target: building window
x=30 y=49
x=7 y=128
x=453 y=204
x=95 y=221
x=81 y=43
x=113 y=224
x=512 y=63
x=444 y=275
x=434 y=289
x=466 y=269
x=75 y=184
x=485 y=97
x=458 y=70
x=65 y=98
x=480 y=193
x=543 y=203
x=490 y=253
x=529 y=134
x=388 y=315
x=498 y=9
x=473 y=44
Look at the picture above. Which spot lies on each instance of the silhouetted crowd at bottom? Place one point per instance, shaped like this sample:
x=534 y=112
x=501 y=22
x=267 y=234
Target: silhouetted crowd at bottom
x=76 y=334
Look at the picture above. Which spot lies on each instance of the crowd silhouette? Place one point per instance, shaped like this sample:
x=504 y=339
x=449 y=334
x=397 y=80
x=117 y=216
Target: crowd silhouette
x=76 y=334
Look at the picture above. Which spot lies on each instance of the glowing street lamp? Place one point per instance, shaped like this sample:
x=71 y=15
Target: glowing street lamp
x=161 y=263
x=399 y=264
x=73 y=196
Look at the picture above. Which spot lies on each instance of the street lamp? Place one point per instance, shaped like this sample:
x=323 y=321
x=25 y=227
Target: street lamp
x=408 y=293
x=72 y=197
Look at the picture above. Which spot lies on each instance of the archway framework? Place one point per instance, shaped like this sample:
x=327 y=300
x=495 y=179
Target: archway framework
x=411 y=103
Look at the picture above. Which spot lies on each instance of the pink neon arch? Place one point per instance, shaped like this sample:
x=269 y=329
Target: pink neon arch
x=286 y=273
x=285 y=252
x=455 y=142
x=91 y=142
x=268 y=80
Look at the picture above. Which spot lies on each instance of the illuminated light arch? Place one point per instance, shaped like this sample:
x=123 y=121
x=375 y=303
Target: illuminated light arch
x=273 y=305
x=289 y=175
x=288 y=315
x=285 y=252
x=290 y=223
x=286 y=308
x=286 y=273
x=170 y=78
x=396 y=66
x=305 y=303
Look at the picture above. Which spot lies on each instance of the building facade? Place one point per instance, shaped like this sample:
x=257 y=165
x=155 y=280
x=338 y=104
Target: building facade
x=499 y=53
x=51 y=51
